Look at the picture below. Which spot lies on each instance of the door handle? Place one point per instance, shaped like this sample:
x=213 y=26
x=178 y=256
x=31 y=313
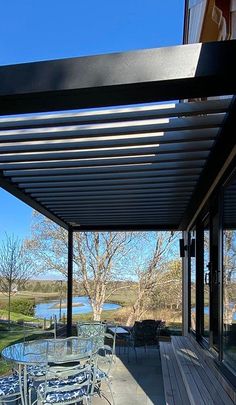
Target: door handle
x=207 y=278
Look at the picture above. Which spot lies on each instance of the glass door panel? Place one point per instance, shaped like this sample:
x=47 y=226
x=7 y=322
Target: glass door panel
x=215 y=285
x=229 y=276
x=193 y=285
x=206 y=264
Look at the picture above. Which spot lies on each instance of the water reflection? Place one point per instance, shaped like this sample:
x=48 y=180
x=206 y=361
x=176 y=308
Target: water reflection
x=52 y=307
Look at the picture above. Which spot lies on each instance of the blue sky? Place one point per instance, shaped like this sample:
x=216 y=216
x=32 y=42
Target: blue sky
x=33 y=30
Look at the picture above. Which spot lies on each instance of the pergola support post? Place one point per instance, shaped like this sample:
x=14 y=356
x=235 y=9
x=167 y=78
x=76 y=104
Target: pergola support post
x=70 y=282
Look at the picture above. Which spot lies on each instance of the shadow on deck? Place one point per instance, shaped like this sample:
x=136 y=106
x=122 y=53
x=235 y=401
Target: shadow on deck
x=136 y=382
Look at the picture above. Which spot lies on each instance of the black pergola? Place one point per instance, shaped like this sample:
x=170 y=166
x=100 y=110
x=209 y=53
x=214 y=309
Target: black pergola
x=132 y=167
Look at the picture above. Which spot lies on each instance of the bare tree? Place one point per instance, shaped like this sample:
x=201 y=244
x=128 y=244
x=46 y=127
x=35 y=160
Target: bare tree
x=16 y=267
x=150 y=270
x=99 y=258
x=102 y=260
x=168 y=292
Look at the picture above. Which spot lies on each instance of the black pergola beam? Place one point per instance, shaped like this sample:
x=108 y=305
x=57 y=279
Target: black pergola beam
x=187 y=71
x=109 y=227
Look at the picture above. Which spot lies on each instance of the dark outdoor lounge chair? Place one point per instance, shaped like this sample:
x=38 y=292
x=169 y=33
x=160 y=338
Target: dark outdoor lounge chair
x=146 y=332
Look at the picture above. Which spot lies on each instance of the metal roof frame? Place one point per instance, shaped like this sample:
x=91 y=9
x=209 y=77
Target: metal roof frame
x=132 y=167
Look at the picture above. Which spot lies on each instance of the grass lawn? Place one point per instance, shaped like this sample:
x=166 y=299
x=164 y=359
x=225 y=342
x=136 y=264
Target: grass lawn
x=106 y=315
x=15 y=316
x=8 y=337
x=13 y=335
x=30 y=294
x=121 y=297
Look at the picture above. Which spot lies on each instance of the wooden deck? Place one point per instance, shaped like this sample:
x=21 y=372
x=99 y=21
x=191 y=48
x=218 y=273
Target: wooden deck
x=188 y=378
x=175 y=391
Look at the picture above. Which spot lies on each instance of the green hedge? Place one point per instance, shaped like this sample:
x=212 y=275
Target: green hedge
x=25 y=306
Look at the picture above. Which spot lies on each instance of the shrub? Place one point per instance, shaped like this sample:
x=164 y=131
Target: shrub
x=23 y=306
x=3 y=305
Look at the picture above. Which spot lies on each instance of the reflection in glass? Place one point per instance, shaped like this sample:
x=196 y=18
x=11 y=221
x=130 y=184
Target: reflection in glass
x=193 y=288
x=229 y=276
x=206 y=279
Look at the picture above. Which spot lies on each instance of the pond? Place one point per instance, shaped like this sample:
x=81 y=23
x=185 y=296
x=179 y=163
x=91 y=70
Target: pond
x=81 y=306
x=206 y=310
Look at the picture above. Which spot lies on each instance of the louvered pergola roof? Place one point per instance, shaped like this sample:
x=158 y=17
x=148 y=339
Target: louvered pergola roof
x=139 y=166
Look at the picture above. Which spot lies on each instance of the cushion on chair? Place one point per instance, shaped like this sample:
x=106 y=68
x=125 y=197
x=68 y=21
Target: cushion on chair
x=79 y=378
x=104 y=350
x=9 y=385
x=36 y=371
x=107 y=348
x=55 y=397
x=63 y=396
x=67 y=395
x=100 y=375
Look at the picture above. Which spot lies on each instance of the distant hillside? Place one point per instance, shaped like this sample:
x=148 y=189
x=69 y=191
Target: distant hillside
x=60 y=287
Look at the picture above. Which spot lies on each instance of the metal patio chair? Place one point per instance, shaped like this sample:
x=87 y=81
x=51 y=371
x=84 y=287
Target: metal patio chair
x=66 y=384
x=68 y=374
x=40 y=333
x=105 y=360
x=36 y=371
x=95 y=330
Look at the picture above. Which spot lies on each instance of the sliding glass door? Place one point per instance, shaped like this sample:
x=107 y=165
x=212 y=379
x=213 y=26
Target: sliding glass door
x=206 y=276
x=229 y=276
x=212 y=274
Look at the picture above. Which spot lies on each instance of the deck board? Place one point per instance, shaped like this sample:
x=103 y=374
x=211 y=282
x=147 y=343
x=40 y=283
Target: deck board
x=166 y=377
x=191 y=381
x=213 y=384
x=199 y=374
x=206 y=388
x=180 y=394
x=175 y=391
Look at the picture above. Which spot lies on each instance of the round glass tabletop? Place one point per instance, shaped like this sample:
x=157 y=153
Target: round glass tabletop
x=48 y=350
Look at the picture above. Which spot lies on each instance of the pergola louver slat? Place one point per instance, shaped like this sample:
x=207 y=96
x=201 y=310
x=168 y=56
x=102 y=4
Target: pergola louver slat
x=104 y=190
x=128 y=129
x=160 y=138
x=111 y=152
x=47 y=197
x=76 y=170
x=54 y=184
x=130 y=160
x=107 y=175
x=144 y=112
x=145 y=180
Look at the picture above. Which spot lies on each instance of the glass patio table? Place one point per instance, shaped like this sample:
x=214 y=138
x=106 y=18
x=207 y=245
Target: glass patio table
x=42 y=352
